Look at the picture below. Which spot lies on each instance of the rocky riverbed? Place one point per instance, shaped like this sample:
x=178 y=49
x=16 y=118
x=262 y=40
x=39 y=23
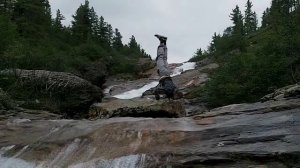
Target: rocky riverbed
x=142 y=132
x=258 y=135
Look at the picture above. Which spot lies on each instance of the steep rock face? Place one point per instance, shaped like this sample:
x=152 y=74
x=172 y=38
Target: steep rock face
x=73 y=94
x=244 y=135
x=137 y=108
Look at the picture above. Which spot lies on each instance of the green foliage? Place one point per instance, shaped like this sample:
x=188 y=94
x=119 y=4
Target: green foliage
x=250 y=19
x=265 y=18
x=198 y=56
x=31 y=39
x=247 y=77
x=57 y=20
x=117 y=40
x=5 y=101
x=7 y=33
x=256 y=62
x=33 y=18
x=82 y=24
x=237 y=19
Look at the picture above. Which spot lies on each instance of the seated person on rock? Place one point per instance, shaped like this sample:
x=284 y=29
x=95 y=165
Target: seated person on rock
x=166 y=85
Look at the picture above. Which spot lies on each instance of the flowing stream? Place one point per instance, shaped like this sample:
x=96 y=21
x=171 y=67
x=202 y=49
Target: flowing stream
x=68 y=152
x=138 y=92
x=131 y=161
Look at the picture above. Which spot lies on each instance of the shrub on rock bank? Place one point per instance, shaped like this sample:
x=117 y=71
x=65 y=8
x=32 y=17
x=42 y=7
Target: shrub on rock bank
x=6 y=102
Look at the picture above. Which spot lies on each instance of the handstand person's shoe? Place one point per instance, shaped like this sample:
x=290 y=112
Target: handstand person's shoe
x=161 y=38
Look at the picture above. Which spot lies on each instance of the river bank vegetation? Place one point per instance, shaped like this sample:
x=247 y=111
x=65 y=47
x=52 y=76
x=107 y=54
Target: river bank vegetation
x=255 y=60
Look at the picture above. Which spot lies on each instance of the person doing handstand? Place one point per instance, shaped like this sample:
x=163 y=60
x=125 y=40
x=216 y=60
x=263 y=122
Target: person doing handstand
x=166 y=85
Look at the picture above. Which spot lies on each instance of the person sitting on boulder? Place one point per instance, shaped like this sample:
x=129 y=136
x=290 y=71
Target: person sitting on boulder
x=166 y=85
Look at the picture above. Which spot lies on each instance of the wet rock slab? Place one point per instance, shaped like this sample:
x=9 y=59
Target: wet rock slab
x=233 y=136
x=139 y=107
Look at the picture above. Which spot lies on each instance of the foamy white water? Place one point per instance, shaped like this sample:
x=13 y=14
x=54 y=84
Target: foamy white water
x=184 y=67
x=131 y=161
x=13 y=162
x=138 y=92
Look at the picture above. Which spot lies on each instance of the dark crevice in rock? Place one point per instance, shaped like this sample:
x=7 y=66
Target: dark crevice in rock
x=144 y=114
x=237 y=159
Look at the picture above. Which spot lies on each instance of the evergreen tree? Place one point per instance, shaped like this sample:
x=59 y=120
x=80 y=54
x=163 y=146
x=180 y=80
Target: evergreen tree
x=228 y=31
x=31 y=39
x=110 y=34
x=57 y=20
x=33 y=18
x=265 y=18
x=132 y=43
x=117 y=40
x=94 y=23
x=212 y=47
x=104 y=35
x=237 y=18
x=238 y=41
x=250 y=25
x=6 y=7
x=7 y=33
x=81 y=26
x=280 y=12
x=198 y=53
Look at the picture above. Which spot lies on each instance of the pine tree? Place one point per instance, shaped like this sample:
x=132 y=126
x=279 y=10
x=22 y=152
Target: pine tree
x=33 y=18
x=57 y=20
x=198 y=53
x=228 y=31
x=250 y=25
x=265 y=18
x=6 y=7
x=7 y=33
x=212 y=47
x=81 y=26
x=132 y=43
x=110 y=34
x=237 y=30
x=103 y=31
x=94 y=24
x=117 y=40
x=237 y=18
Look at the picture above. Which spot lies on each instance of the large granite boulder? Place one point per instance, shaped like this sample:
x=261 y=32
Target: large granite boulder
x=71 y=94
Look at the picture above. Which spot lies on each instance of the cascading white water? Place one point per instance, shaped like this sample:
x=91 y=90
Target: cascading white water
x=184 y=67
x=138 y=92
x=131 y=161
x=14 y=162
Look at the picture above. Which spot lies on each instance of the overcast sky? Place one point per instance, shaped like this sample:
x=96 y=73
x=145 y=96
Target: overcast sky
x=188 y=24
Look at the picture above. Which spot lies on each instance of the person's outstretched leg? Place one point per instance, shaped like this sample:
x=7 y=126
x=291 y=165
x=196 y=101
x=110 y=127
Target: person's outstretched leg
x=162 y=56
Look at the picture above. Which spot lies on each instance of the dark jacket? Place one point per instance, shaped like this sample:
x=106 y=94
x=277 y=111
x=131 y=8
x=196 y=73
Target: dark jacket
x=166 y=86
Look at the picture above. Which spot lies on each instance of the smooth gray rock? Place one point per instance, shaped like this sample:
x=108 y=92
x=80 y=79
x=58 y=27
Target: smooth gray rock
x=245 y=135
